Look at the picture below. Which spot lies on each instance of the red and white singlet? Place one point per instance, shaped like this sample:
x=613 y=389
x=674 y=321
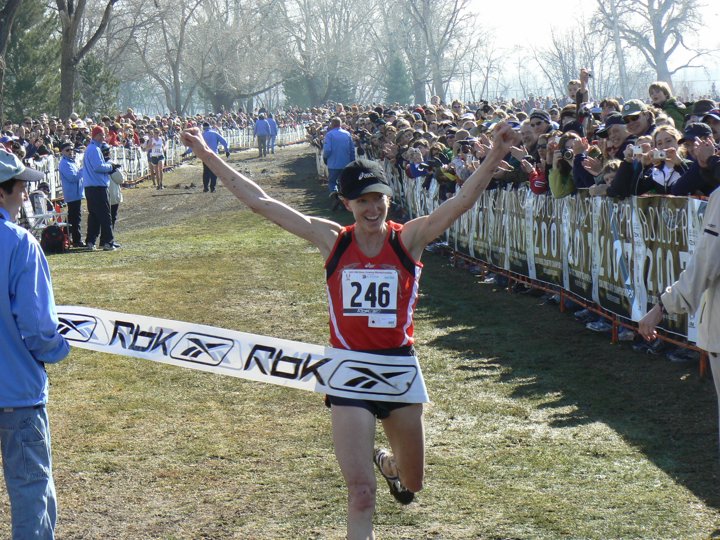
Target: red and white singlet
x=371 y=299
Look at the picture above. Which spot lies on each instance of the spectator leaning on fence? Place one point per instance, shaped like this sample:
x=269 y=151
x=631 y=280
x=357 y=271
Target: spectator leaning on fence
x=28 y=340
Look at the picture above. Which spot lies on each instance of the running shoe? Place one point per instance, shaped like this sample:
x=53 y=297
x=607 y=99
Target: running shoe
x=397 y=490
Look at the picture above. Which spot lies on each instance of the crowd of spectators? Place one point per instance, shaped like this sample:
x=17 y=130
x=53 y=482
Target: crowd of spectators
x=608 y=146
x=612 y=147
x=33 y=138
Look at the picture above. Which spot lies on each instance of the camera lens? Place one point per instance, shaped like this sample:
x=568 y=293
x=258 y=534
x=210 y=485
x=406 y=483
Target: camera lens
x=568 y=154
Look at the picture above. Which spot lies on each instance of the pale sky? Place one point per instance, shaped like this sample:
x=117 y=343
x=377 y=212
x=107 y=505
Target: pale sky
x=518 y=21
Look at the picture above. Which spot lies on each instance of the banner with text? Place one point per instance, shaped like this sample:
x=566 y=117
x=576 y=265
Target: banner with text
x=297 y=365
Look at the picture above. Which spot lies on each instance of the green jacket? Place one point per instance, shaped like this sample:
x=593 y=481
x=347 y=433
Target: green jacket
x=676 y=111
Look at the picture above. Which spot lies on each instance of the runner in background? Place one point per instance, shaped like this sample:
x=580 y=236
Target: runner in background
x=372 y=266
x=156 y=143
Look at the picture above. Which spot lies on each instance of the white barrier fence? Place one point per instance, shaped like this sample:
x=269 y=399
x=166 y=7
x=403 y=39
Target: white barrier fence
x=135 y=162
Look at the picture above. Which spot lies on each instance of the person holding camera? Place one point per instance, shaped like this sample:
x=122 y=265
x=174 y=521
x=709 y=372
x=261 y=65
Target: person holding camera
x=96 y=179
x=654 y=167
x=699 y=144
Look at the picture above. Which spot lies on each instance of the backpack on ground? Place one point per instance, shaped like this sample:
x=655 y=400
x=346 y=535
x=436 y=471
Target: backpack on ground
x=54 y=239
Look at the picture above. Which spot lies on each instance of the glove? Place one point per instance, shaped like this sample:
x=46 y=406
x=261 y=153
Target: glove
x=227 y=153
x=115 y=166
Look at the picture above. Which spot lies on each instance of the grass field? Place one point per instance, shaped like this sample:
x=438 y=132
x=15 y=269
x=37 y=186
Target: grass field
x=538 y=429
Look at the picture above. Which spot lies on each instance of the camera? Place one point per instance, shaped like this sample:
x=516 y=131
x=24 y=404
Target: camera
x=637 y=150
x=659 y=154
x=568 y=154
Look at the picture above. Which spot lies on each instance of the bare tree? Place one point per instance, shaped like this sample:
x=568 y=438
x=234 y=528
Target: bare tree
x=581 y=47
x=445 y=26
x=241 y=57
x=162 y=50
x=72 y=16
x=656 y=28
x=324 y=43
x=485 y=60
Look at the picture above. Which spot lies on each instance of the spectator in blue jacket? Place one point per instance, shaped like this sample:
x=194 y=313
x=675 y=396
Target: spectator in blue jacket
x=73 y=192
x=212 y=139
x=29 y=339
x=96 y=179
x=338 y=151
x=273 y=132
x=262 y=132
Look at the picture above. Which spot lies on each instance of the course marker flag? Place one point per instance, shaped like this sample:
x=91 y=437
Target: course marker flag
x=238 y=354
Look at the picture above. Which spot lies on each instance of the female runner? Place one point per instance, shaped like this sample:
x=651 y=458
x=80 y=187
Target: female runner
x=389 y=254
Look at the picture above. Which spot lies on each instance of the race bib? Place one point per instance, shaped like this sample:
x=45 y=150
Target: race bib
x=371 y=293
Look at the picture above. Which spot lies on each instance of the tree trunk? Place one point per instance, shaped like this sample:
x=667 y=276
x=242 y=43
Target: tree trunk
x=419 y=91
x=7 y=16
x=437 y=80
x=661 y=66
x=68 y=70
x=313 y=93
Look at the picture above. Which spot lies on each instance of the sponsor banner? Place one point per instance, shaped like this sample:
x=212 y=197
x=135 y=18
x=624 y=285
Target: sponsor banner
x=238 y=354
x=614 y=245
x=577 y=239
x=547 y=252
x=517 y=231
x=621 y=254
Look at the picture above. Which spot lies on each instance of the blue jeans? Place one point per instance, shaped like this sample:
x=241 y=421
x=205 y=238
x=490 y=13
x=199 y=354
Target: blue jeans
x=333 y=175
x=27 y=467
x=271 y=144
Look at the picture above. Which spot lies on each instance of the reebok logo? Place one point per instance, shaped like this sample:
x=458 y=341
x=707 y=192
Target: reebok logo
x=368 y=378
x=76 y=327
x=202 y=348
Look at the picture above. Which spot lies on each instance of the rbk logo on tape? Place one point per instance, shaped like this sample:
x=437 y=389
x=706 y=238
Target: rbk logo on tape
x=75 y=327
x=282 y=362
x=202 y=348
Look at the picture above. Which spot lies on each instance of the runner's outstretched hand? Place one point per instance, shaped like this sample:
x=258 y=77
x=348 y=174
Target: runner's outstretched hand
x=192 y=138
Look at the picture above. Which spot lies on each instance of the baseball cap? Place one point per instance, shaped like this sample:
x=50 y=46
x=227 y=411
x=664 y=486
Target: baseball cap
x=702 y=106
x=694 y=131
x=67 y=144
x=97 y=130
x=11 y=167
x=633 y=106
x=360 y=177
x=612 y=119
x=714 y=114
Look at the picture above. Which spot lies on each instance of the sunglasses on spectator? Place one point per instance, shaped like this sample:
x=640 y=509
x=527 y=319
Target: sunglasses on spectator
x=631 y=118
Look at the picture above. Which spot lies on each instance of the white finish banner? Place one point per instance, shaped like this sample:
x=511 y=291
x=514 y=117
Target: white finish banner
x=283 y=362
